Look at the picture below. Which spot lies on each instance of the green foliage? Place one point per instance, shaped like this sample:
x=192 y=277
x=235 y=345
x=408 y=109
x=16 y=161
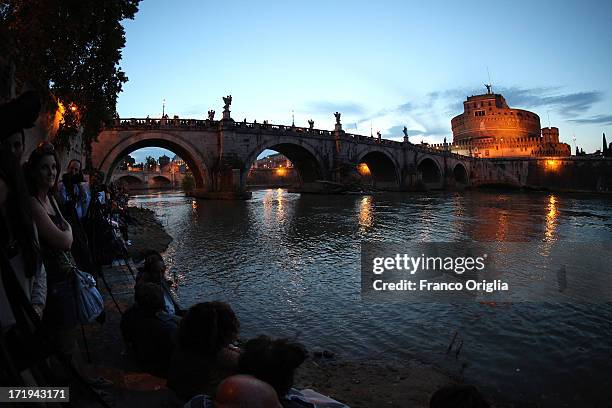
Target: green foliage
x=151 y=163
x=188 y=182
x=71 y=49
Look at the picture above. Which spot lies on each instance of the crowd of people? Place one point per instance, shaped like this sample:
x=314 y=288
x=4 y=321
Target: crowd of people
x=51 y=226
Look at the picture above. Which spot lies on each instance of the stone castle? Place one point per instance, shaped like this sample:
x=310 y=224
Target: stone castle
x=489 y=128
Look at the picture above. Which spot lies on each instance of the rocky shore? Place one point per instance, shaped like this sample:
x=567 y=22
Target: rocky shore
x=146 y=233
x=364 y=384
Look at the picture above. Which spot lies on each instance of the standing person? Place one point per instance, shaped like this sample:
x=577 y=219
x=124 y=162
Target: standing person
x=74 y=190
x=22 y=277
x=74 y=195
x=18 y=237
x=59 y=316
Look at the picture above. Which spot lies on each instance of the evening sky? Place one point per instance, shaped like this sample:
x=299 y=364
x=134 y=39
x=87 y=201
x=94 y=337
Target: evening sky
x=382 y=64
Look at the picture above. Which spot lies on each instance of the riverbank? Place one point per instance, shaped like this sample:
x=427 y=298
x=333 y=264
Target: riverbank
x=146 y=233
x=357 y=383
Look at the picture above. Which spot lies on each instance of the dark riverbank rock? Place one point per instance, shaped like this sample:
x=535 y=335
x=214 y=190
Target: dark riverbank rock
x=147 y=233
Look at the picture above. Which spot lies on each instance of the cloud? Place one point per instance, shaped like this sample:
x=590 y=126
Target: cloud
x=397 y=130
x=433 y=131
x=428 y=117
x=597 y=120
x=328 y=107
x=568 y=104
x=406 y=107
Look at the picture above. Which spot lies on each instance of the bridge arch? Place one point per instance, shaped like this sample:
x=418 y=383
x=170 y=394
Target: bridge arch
x=460 y=174
x=384 y=169
x=430 y=171
x=166 y=140
x=161 y=181
x=130 y=180
x=309 y=165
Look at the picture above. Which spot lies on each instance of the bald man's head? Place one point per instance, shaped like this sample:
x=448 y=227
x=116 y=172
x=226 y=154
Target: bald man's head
x=245 y=391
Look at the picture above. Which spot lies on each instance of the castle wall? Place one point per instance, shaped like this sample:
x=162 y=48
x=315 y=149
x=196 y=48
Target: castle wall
x=489 y=116
x=581 y=174
x=488 y=128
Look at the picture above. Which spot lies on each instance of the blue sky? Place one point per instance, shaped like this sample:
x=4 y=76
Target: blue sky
x=383 y=64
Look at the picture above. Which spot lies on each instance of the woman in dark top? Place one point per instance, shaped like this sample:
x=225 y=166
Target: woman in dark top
x=55 y=233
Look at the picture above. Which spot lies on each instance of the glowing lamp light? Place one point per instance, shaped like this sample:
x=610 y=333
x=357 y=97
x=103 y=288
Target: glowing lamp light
x=281 y=172
x=552 y=164
x=363 y=169
x=73 y=107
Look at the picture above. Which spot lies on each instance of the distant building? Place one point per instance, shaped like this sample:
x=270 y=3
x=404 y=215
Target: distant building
x=272 y=162
x=163 y=160
x=488 y=127
x=179 y=165
x=126 y=163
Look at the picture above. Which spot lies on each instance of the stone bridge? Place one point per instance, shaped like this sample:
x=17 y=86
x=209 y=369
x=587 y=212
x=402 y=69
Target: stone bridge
x=148 y=179
x=221 y=152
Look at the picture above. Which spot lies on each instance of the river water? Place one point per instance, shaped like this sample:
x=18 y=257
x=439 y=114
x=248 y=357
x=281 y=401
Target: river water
x=289 y=264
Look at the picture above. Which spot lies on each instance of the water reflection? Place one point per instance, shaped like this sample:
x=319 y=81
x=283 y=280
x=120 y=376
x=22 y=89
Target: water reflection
x=280 y=209
x=550 y=226
x=551 y=219
x=366 y=213
x=289 y=264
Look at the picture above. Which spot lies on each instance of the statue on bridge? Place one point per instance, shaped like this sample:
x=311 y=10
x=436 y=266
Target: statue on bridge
x=405 y=134
x=211 y=115
x=311 y=124
x=227 y=100
x=337 y=115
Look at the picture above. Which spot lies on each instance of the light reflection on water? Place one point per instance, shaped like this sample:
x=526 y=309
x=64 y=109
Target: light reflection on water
x=289 y=265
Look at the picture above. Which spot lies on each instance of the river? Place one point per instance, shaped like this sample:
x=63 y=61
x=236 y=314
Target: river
x=289 y=264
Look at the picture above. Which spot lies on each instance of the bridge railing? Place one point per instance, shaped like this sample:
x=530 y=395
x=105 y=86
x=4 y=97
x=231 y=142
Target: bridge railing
x=186 y=124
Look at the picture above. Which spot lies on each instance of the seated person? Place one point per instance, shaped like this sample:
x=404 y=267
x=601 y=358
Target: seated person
x=242 y=391
x=275 y=362
x=463 y=396
x=154 y=271
x=204 y=354
x=148 y=331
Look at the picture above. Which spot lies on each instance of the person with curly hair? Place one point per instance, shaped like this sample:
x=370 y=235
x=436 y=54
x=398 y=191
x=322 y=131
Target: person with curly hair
x=204 y=354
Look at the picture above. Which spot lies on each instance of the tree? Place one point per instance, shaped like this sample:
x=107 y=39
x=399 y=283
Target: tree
x=126 y=162
x=188 y=182
x=69 y=50
x=151 y=163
